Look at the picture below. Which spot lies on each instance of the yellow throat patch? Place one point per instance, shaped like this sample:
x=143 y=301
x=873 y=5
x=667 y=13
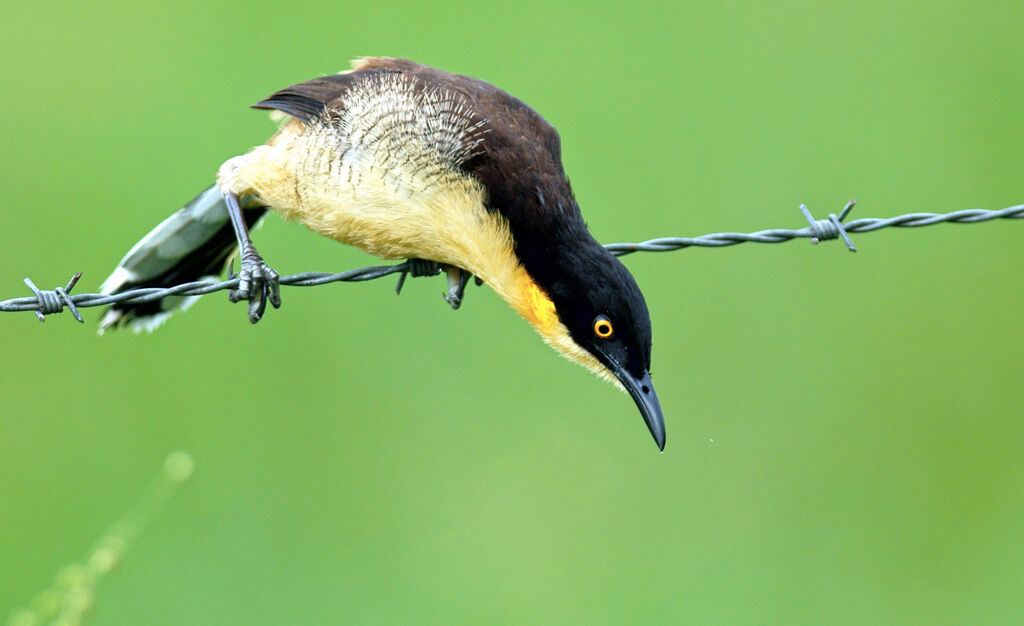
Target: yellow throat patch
x=538 y=309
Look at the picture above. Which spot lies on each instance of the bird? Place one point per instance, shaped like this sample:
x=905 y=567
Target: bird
x=406 y=161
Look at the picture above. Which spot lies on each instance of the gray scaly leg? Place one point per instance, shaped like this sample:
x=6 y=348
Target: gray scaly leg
x=257 y=281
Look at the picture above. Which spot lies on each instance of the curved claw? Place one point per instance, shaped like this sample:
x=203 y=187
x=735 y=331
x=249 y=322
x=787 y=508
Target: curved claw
x=257 y=306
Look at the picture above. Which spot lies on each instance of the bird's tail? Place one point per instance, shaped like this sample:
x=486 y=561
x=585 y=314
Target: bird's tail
x=192 y=244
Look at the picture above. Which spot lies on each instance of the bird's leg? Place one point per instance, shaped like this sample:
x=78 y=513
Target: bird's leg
x=458 y=278
x=256 y=281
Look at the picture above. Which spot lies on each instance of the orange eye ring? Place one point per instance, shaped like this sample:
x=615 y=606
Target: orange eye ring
x=603 y=327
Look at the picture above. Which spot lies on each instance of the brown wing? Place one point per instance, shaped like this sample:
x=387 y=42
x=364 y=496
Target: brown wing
x=307 y=101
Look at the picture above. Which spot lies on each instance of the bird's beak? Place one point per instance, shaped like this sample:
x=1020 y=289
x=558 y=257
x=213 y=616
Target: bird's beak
x=642 y=391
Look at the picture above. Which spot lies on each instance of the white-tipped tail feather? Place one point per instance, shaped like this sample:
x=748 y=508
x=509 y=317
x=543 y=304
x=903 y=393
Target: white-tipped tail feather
x=192 y=244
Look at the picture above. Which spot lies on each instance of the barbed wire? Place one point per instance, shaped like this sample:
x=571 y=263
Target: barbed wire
x=819 y=230
x=46 y=302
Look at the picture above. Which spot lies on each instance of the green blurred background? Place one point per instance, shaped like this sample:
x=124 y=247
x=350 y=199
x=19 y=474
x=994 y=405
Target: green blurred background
x=844 y=430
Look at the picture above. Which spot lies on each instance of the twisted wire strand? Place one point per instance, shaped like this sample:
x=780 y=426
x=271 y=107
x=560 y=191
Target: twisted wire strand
x=780 y=235
x=45 y=302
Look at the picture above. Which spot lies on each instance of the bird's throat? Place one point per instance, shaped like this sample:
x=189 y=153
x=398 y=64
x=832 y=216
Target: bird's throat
x=536 y=307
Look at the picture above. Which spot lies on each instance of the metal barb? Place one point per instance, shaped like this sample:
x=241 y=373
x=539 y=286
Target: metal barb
x=846 y=209
x=54 y=300
x=831 y=228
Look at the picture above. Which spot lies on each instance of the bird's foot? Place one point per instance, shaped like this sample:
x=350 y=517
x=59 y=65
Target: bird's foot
x=257 y=283
x=458 y=278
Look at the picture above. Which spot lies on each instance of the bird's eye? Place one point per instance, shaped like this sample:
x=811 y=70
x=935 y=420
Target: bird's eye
x=602 y=327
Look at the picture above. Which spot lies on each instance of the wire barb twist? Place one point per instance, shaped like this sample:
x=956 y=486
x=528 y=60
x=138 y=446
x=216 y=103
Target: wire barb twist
x=54 y=300
x=417 y=268
x=832 y=227
x=47 y=302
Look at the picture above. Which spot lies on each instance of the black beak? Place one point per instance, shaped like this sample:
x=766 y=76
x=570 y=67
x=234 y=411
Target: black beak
x=642 y=391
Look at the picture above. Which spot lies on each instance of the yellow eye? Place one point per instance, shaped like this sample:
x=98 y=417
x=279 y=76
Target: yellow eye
x=602 y=327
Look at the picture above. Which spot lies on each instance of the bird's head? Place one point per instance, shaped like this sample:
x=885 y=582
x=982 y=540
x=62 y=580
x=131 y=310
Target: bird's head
x=606 y=316
x=587 y=306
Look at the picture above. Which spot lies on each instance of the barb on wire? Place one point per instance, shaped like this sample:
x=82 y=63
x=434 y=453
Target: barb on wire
x=53 y=301
x=827 y=229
